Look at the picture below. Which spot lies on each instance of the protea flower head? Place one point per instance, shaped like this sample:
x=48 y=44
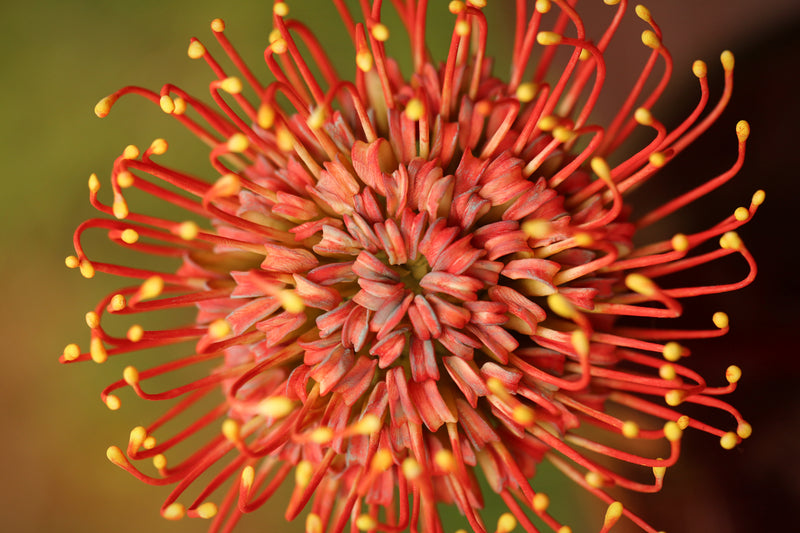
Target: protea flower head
x=405 y=282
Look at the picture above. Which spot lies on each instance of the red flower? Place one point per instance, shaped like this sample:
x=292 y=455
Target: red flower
x=406 y=282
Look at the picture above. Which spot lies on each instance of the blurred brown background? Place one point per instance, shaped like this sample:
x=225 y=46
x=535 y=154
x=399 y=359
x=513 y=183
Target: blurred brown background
x=59 y=58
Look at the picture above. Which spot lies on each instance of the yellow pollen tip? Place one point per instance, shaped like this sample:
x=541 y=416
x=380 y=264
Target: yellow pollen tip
x=71 y=352
x=380 y=32
x=560 y=305
x=207 y=510
x=94 y=183
x=103 y=107
x=129 y=236
x=321 y=435
x=217 y=25
x=415 y=109
x=149 y=443
x=506 y=523
x=741 y=214
x=382 y=460
x=120 y=208
x=166 y=104
x=117 y=302
x=279 y=46
x=742 y=130
x=683 y=422
x=524 y=415
x=537 y=228
x=291 y=301
x=313 y=523
x=563 y=134
x=227 y=185
x=125 y=179
x=672 y=351
x=456 y=7
x=601 y=168
x=92 y=319
x=640 y=284
x=580 y=342
x=112 y=402
x=160 y=461
x=180 y=106
x=364 y=61
x=584 y=55
x=541 y=502
x=316 y=119
x=727 y=60
x=659 y=471
x=564 y=529
x=674 y=397
x=526 y=91
x=231 y=85
x=643 y=13
x=720 y=320
x=614 y=511
x=480 y=4
x=583 y=239
x=98 y=351
x=700 y=69
x=679 y=242
x=667 y=372
x=219 y=329
x=248 y=476
x=547 y=38
x=152 y=287
x=116 y=456
x=275 y=407
x=672 y=431
x=630 y=429
x=462 y=28
x=136 y=439
x=284 y=139
x=366 y=523
x=594 y=479
x=657 y=159
x=281 y=9
x=496 y=387
x=130 y=375
x=445 y=460
x=130 y=152
x=643 y=116
x=548 y=123
x=238 y=143
x=302 y=473
x=543 y=6
x=729 y=440
x=368 y=425
x=611 y=2
x=411 y=468
x=174 y=511
x=266 y=116
x=650 y=39
x=188 y=230
x=744 y=430
x=71 y=261
x=758 y=197
x=231 y=430
x=733 y=374
x=196 y=50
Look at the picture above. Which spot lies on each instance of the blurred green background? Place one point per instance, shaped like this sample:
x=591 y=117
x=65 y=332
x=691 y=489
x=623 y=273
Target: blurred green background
x=59 y=58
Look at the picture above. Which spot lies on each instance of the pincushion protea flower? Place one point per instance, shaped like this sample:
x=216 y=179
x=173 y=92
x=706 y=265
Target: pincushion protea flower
x=407 y=282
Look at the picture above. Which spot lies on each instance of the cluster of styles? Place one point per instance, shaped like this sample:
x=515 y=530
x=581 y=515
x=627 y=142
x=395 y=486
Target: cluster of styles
x=406 y=282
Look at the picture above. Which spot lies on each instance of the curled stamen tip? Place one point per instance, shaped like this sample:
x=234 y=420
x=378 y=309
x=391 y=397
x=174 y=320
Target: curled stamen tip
x=650 y=39
x=541 y=502
x=313 y=523
x=560 y=305
x=445 y=460
x=366 y=523
x=364 y=60
x=742 y=130
x=456 y=7
x=97 y=350
x=679 y=242
x=727 y=60
x=275 y=407
x=174 y=511
x=462 y=28
x=316 y=119
x=594 y=479
x=321 y=435
x=611 y=2
x=564 y=529
x=167 y=104
x=672 y=351
x=674 y=397
x=138 y=434
x=506 y=523
x=546 y=38
x=731 y=240
x=231 y=430
x=758 y=197
x=151 y=288
x=543 y=6
x=733 y=374
x=188 y=230
x=601 y=168
x=92 y=319
x=720 y=320
x=614 y=511
x=380 y=32
x=537 y=228
x=643 y=116
x=238 y=143
x=125 y=179
x=580 y=342
x=71 y=352
x=130 y=152
x=103 y=107
x=291 y=301
x=196 y=49
x=231 y=85
x=281 y=9
x=219 y=328
x=480 y=4
x=729 y=440
x=217 y=25
x=71 y=261
x=368 y=425
x=643 y=13
x=700 y=69
x=112 y=402
x=415 y=109
x=630 y=429
x=640 y=284
x=116 y=456
x=130 y=375
x=247 y=478
x=160 y=462
x=658 y=159
x=382 y=460
x=659 y=471
x=207 y=510
x=523 y=415
x=94 y=183
x=303 y=473
x=411 y=468
x=526 y=91
x=159 y=146
x=672 y=431
x=744 y=430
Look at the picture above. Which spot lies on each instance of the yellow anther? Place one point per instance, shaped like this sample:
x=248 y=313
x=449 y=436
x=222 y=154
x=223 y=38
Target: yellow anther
x=303 y=473
x=279 y=46
x=238 y=143
x=151 y=288
x=657 y=159
x=611 y=2
x=564 y=529
x=364 y=60
x=744 y=430
x=130 y=375
x=86 y=268
x=281 y=9
x=284 y=139
x=231 y=430
x=672 y=431
x=462 y=28
x=526 y=91
x=650 y=39
x=667 y=371
x=219 y=328
x=727 y=60
x=560 y=305
x=700 y=69
x=614 y=512
x=643 y=116
x=98 y=351
x=231 y=85
x=583 y=239
x=180 y=106
x=116 y=456
x=92 y=319
x=135 y=333
x=266 y=116
x=758 y=197
x=541 y=502
x=129 y=236
x=136 y=439
x=411 y=468
x=537 y=228
x=316 y=119
x=630 y=429
x=275 y=407
x=380 y=32
x=601 y=168
x=112 y=402
x=640 y=284
x=720 y=320
x=445 y=460
x=160 y=461
x=683 y=422
x=71 y=261
x=207 y=510
x=659 y=471
x=594 y=479
x=506 y=523
x=321 y=435
x=196 y=50
x=480 y=4
x=366 y=523
x=120 y=208
x=672 y=351
x=149 y=442
x=167 y=104
x=742 y=130
x=415 y=109
x=456 y=7
x=291 y=301
x=247 y=477
x=174 y=511
x=71 y=351
x=227 y=185
x=563 y=134
x=547 y=123
x=117 y=302
x=188 y=230
x=729 y=440
x=368 y=425
x=675 y=397
x=523 y=415
x=584 y=55
x=679 y=242
x=382 y=460
x=313 y=523
x=217 y=25
x=103 y=107
x=580 y=342
x=643 y=13
x=546 y=38
x=130 y=152
x=733 y=374
x=125 y=179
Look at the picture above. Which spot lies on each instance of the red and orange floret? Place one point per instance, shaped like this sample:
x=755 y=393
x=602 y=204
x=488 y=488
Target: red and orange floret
x=404 y=283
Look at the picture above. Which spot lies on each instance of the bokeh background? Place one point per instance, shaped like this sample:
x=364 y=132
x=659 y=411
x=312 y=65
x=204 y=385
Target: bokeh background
x=60 y=57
